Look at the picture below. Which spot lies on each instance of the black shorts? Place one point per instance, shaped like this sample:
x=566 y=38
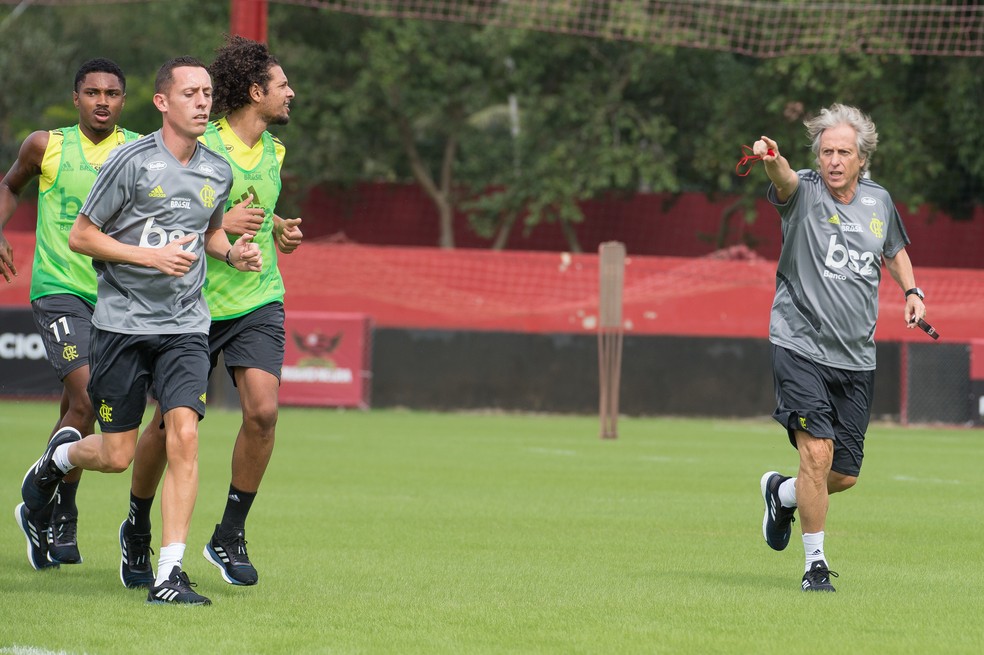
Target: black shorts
x=173 y=367
x=254 y=340
x=64 y=321
x=826 y=402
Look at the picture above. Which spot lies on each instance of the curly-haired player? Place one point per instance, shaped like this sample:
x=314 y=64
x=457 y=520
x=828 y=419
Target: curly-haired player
x=251 y=93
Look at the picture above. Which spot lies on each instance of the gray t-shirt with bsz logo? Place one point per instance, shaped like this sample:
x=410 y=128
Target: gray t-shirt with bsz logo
x=145 y=197
x=826 y=301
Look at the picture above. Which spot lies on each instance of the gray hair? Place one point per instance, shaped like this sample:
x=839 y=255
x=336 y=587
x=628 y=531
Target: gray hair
x=838 y=114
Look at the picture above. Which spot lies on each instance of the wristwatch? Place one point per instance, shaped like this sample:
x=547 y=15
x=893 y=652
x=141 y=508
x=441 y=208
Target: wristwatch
x=917 y=291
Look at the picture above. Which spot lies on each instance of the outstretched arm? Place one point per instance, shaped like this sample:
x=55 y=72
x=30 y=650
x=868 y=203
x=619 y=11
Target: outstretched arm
x=777 y=168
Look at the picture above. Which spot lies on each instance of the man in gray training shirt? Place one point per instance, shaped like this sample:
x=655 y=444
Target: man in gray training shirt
x=837 y=229
x=154 y=211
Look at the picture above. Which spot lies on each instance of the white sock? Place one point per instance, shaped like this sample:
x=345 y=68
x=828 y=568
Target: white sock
x=171 y=556
x=787 y=493
x=813 y=546
x=60 y=458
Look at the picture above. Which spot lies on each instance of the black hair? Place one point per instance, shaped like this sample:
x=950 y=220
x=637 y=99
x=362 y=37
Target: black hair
x=99 y=65
x=238 y=65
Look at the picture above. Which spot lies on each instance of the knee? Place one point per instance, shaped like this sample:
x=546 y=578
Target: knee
x=838 y=482
x=261 y=421
x=118 y=460
x=816 y=455
x=183 y=438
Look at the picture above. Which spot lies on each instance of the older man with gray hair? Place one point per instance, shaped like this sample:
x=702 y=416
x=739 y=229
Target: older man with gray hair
x=838 y=227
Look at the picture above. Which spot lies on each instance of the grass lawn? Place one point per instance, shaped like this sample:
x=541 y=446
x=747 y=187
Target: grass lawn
x=406 y=532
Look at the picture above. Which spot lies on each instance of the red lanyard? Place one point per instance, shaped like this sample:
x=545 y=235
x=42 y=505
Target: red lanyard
x=744 y=165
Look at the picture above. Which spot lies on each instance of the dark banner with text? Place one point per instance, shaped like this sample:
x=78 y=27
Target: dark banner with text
x=327 y=360
x=24 y=367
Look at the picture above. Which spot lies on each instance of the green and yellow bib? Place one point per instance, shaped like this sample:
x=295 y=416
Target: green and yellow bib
x=68 y=171
x=231 y=293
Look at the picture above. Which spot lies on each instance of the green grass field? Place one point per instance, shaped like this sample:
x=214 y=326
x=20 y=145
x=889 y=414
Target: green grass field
x=405 y=532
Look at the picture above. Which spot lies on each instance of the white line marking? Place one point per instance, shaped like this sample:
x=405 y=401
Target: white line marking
x=906 y=478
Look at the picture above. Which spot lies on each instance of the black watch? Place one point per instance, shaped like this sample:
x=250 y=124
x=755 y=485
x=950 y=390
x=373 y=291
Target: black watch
x=917 y=291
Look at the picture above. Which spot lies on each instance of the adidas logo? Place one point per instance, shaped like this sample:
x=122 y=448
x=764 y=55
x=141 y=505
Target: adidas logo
x=234 y=497
x=166 y=595
x=157 y=192
x=66 y=166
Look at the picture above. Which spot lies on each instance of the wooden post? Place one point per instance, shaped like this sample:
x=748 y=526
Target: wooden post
x=610 y=333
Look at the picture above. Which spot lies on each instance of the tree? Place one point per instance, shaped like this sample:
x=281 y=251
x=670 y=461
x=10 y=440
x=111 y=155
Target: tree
x=583 y=129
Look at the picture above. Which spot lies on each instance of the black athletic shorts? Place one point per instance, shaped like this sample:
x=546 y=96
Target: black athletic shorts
x=826 y=402
x=64 y=321
x=173 y=367
x=254 y=340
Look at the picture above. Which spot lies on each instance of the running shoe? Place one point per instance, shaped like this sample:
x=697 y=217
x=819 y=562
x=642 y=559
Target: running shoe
x=135 y=551
x=176 y=589
x=35 y=529
x=227 y=551
x=41 y=480
x=63 y=546
x=778 y=520
x=818 y=577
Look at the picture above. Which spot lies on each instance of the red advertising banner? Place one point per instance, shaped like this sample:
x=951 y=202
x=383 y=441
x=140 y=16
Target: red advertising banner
x=327 y=360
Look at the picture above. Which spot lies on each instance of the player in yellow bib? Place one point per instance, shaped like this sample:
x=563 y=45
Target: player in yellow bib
x=63 y=283
x=252 y=92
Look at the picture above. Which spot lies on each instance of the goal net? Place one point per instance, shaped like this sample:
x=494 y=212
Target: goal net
x=757 y=29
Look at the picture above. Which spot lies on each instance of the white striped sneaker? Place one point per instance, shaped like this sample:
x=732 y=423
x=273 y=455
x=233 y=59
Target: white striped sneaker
x=176 y=589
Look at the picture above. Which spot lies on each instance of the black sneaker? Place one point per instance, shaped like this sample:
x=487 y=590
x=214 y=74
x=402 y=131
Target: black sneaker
x=176 y=589
x=36 y=530
x=228 y=553
x=135 y=568
x=41 y=480
x=818 y=577
x=778 y=521
x=63 y=546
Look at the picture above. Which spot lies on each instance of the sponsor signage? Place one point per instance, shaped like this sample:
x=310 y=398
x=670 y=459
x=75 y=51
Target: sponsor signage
x=327 y=360
x=24 y=367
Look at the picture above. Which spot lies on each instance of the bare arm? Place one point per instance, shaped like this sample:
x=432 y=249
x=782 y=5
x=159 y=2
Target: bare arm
x=900 y=268
x=86 y=238
x=783 y=177
x=25 y=168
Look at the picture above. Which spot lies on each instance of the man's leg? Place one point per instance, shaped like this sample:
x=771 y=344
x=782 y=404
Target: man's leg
x=254 y=445
x=149 y=463
x=178 y=497
x=813 y=498
x=180 y=488
x=180 y=384
x=77 y=413
x=109 y=453
x=64 y=322
x=251 y=454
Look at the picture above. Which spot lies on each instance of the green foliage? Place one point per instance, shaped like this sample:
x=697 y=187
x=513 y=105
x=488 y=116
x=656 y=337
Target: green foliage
x=514 y=127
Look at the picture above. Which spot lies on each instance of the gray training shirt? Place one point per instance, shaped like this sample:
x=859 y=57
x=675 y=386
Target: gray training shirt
x=144 y=197
x=826 y=301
